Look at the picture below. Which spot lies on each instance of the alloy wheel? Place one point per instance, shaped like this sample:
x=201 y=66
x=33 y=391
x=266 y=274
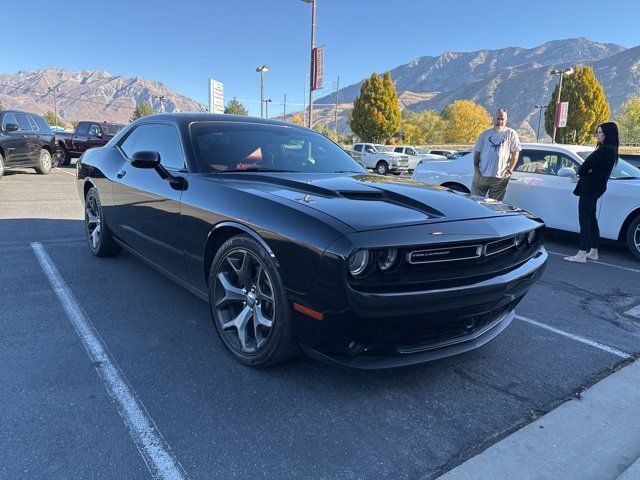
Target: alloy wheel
x=92 y=221
x=244 y=301
x=636 y=238
x=46 y=161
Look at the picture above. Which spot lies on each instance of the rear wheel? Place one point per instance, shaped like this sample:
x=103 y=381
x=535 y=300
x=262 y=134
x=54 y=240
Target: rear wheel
x=65 y=158
x=382 y=168
x=44 y=162
x=248 y=303
x=99 y=238
x=633 y=237
x=1 y=165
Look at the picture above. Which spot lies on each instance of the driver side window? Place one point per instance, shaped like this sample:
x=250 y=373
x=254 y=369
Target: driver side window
x=543 y=162
x=369 y=149
x=156 y=137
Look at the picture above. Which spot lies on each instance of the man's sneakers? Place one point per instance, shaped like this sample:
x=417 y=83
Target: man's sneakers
x=580 y=257
x=593 y=254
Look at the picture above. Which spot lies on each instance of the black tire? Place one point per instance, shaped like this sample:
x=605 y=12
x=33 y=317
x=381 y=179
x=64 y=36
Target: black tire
x=65 y=158
x=45 y=162
x=100 y=242
x=382 y=168
x=246 y=293
x=633 y=237
x=1 y=165
x=456 y=187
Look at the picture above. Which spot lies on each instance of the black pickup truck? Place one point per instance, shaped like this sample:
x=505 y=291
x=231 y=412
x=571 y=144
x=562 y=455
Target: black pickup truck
x=86 y=135
x=26 y=141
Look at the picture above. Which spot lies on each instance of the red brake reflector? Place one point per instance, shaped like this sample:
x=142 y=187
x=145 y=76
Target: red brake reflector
x=308 y=311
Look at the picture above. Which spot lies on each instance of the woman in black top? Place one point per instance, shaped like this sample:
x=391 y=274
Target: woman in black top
x=594 y=174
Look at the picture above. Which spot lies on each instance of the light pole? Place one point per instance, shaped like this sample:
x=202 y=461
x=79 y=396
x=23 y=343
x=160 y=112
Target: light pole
x=160 y=98
x=262 y=69
x=539 y=107
x=566 y=71
x=267 y=101
x=313 y=45
x=55 y=107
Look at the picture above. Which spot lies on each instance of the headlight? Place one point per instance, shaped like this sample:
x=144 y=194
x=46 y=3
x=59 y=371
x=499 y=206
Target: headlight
x=532 y=236
x=520 y=238
x=387 y=258
x=358 y=262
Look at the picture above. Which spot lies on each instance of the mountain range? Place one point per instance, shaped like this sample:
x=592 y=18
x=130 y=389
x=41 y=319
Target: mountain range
x=512 y=78
x=88 y=95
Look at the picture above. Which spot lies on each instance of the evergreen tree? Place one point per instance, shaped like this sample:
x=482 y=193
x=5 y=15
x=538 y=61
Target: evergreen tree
x=52 y=120
x=376 y=113
x=464 y=120
x=588 y=107
x=234 y=107
x=629 y=121
x=142 y=110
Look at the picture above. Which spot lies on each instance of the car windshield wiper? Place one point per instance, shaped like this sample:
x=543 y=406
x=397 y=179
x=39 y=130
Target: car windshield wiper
x=255 y=169
x=626 y=178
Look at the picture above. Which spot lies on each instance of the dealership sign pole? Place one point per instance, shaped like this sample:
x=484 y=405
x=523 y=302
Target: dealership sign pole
x=216 y=96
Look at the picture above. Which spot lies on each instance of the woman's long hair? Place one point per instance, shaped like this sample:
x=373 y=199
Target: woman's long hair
x=610 y=130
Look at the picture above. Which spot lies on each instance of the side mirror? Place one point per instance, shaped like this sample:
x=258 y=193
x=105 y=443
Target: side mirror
x=569 y=173
x=11 y=127
x=145 y=159
x=99 y=134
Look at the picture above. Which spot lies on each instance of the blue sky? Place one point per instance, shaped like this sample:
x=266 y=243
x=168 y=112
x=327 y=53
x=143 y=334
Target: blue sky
x=184 y=42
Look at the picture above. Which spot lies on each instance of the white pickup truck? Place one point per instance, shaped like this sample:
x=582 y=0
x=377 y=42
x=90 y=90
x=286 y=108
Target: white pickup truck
x=381 y=158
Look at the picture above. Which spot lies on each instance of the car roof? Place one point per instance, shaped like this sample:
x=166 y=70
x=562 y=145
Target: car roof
x=558 y=147
x=185 y=118
x=12 y=110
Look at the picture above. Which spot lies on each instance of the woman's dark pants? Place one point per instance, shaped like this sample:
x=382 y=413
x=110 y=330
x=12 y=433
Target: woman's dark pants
x=589 y=231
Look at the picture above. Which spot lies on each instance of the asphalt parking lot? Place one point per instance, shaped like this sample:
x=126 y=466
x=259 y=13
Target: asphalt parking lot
x=218 y=419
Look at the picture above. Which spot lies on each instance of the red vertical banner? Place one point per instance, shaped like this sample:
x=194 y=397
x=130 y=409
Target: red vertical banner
x=562 y=113
x=318 y=68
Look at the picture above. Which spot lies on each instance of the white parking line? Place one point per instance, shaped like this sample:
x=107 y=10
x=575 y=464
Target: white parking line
x=64 y=171
x=577 y=338
x=597 y=261
x=153 y=448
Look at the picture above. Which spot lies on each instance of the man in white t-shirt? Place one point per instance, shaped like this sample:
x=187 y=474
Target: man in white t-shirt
x=494 y=156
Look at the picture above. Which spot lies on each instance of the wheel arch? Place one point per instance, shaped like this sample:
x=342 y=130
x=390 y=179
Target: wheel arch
x=622 y=235
x=88 y=185
x=223 y=231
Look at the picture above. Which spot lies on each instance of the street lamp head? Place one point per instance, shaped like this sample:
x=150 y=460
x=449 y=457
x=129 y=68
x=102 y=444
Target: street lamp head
x=568 y=71
x=263 y=68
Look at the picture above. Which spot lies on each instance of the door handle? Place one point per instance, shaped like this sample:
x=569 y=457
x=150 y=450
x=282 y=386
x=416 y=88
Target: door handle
x=121 y=173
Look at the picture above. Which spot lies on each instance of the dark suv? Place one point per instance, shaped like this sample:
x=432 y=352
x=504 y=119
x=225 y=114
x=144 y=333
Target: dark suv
x=26 y=141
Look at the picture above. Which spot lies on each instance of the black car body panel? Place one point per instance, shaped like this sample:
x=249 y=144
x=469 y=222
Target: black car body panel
x=21 y=148
x=310 y=223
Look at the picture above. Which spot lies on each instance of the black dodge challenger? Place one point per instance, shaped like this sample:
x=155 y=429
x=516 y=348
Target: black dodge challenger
x=296 y=247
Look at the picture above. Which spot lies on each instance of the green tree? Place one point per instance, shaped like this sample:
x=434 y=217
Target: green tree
x=463 y=121
x=588 y=107
x=52 y=120
x=1 y=106
x=234 y=107
x=74 y=124
x=422 y=127
x=142 y=110
x=629 y=121
x=376 y=113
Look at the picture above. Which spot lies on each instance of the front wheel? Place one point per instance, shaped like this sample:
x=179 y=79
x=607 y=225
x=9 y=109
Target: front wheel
x=1 y=165
x=249 y=305
x=44 y=162
x=633 y=237
x=382 y=168
x=65 y=158
x=99 y=238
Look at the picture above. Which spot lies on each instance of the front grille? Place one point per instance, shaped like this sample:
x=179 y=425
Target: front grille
x=500 y=245
x=446 y=254
x=411 y=334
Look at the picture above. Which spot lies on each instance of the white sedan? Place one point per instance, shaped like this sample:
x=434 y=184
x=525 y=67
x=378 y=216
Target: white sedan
x=542 y=183
x=417 y=155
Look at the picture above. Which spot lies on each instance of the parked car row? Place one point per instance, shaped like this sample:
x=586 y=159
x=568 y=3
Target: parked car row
x=542 y=183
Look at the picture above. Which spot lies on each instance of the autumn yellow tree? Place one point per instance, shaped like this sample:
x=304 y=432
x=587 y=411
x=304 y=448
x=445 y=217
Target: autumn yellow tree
x=297 y=119
x=464 y=120
x=422 y=128
x=629 y=121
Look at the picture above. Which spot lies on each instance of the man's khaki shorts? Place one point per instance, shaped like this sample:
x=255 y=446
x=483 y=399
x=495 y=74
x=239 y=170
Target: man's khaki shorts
x=496 y=187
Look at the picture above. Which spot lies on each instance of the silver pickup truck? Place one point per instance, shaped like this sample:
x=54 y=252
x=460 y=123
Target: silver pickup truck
x=381 y=158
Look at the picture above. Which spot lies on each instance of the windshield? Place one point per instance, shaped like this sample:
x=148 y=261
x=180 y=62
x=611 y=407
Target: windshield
x=622 y=169
x=227 y=146
x=384 y=148
x=111 y=129
x=420 y=150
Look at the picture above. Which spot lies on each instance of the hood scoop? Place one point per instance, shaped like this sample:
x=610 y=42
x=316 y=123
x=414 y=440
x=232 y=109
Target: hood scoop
x=392 y=198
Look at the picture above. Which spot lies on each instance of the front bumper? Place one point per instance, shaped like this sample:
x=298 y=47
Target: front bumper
x=383 y=330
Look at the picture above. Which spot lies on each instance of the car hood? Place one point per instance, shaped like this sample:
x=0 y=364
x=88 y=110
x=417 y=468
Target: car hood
x=370 y=202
